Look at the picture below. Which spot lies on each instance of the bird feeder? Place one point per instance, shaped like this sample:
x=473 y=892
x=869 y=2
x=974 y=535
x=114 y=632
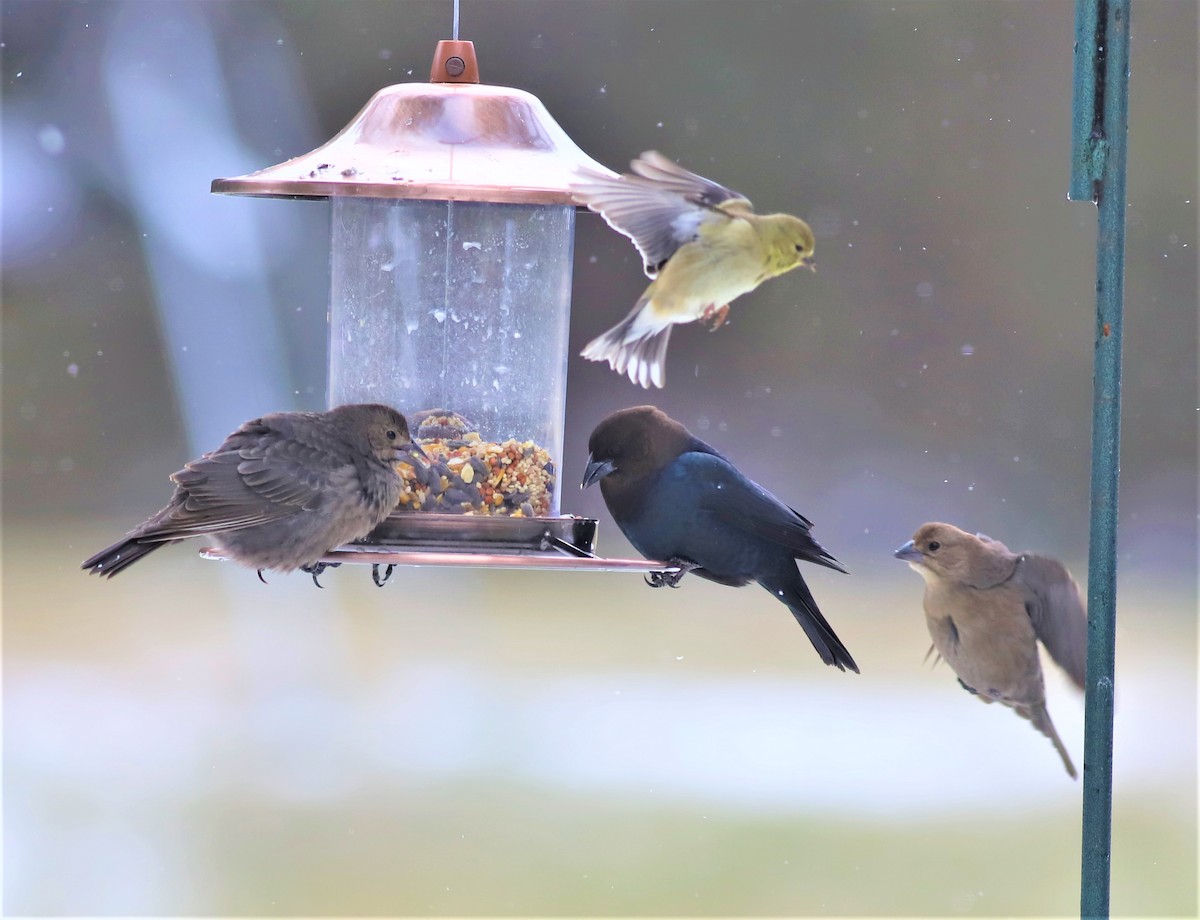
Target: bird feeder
x=451 y=247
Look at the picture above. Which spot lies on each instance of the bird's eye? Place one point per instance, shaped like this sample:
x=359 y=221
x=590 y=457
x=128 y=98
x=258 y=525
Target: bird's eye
x=934 y=546
x=391 y=435
x=799 y=247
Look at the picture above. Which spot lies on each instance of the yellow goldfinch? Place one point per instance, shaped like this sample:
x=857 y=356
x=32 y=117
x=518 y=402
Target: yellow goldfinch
x=701 y=243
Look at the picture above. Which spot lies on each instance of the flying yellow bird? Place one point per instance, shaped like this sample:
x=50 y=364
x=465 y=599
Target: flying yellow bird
x=703 y=246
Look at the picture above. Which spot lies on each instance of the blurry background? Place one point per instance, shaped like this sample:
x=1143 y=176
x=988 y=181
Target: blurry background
x=186 y=740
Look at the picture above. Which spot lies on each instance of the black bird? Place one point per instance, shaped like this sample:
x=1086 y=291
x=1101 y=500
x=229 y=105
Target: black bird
x=281 y=491
x=680 y=501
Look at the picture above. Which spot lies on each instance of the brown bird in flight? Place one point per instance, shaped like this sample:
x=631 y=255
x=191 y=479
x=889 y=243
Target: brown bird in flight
x=987 y=607
x=281 y=491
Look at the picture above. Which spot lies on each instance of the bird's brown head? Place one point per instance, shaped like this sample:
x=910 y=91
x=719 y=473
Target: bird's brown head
x=943 y=551
x=380 y=431
x=631 y=443
x=790 y=243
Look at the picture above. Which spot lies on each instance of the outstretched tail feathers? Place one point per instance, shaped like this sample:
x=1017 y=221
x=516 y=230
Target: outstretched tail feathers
x=640 y=354
x=118 y=557
x=792 y=590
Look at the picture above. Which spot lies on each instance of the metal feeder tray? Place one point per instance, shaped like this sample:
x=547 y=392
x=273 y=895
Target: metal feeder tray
x=546 y=544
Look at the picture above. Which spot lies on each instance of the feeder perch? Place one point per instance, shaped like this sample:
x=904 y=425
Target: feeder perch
x=451 y=245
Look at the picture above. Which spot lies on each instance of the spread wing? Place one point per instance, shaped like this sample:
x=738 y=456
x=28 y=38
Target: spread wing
x=660 y=205
x=1058 y=612
x=259 y=474
x=746 y=506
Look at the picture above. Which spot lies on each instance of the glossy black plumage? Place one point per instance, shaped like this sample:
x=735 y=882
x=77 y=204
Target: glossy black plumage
x=676 y=498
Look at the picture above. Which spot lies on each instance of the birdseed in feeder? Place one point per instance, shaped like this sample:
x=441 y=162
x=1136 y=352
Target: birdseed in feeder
x=468 y=475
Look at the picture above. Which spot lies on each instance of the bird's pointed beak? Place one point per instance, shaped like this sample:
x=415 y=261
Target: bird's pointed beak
x=414 y=451
x=909 y=553
x=810 y=265
x=596 y=470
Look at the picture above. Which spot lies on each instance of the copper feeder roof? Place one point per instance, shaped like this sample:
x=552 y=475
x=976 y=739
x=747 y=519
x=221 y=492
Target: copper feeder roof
x=452 y=139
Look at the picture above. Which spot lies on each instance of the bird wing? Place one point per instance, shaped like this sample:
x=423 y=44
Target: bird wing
x=670 y=175
x=743 y=504
x=258 y=475
x=1058 y=612
x=996 y=543
x=660 y=206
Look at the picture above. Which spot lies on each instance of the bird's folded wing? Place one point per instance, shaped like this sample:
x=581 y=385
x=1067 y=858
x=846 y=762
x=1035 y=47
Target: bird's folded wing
x=1058 y=612
x=660 y=209
x=995 y=543
x=233 y=489
x=745 y=505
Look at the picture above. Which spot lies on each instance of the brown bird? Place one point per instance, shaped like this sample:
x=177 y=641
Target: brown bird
x=281 y=491
x=986 y=608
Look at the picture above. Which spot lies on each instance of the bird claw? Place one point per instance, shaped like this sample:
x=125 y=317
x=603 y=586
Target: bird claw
x=260 y=577
x=660 y=579
x=715 y=317
x=381 y=580
x=317 y=568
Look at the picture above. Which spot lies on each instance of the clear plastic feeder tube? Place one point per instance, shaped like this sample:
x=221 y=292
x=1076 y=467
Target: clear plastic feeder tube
x=461 y=306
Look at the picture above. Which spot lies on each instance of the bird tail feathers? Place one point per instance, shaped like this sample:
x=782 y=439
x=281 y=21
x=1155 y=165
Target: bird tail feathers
x=792 y=590
x=1040 y=717
x=638 y=350
x=118 y=557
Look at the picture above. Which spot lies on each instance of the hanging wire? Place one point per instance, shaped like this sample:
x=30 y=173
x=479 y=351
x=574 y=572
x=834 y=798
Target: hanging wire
x=1098 y=174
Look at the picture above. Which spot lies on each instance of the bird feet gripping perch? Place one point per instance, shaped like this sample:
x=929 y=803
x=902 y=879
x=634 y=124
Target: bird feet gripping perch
x=381 y=580
x=317 y=568
x=671 y=579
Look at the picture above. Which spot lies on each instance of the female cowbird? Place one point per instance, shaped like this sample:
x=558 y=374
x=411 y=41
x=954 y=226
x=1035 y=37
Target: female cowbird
x=281 y=491
x=678 y=500
x=986 y=608
x=701 y=243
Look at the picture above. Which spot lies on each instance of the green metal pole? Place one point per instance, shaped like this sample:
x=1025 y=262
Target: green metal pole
x=1098 y=175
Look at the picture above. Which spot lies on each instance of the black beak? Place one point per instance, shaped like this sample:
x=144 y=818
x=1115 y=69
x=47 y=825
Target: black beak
x=596 y=470
x=909 y=553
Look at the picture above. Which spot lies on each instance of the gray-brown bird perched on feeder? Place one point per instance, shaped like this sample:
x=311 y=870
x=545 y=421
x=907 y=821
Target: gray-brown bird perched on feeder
x=987 y=608
x=281 y=491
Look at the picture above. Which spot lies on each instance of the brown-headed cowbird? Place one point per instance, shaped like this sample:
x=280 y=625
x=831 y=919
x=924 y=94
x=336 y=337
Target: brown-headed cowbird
x=281 y=491
x=701 y=243
x=986 y=608
x=679 y=501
